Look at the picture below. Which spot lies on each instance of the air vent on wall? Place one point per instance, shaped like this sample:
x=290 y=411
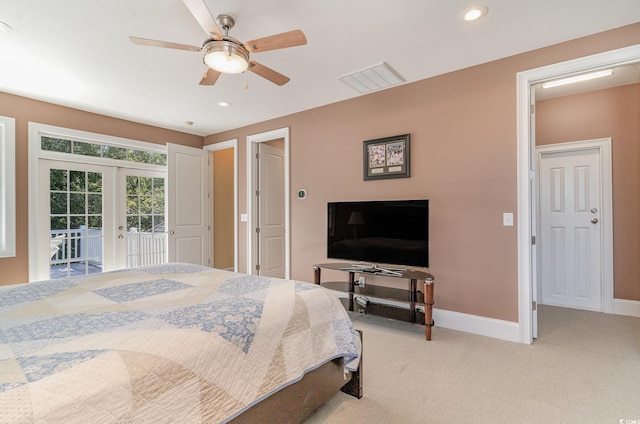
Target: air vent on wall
x=373 y=78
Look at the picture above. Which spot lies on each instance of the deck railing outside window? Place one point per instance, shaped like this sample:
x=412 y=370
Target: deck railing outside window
x=84 y=246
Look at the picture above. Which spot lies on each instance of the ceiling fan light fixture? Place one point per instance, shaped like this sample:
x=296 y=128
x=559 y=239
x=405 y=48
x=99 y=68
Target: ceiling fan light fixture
x=226 y=57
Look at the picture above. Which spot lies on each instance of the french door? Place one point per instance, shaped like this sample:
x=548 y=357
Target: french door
x=79 y=220
x=141 y=229
x=99 y=218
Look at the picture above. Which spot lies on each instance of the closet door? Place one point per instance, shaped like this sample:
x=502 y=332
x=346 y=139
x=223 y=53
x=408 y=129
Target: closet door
x=187 y=204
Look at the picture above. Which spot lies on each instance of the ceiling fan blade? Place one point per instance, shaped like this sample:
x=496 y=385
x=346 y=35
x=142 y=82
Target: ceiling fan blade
x=210 y=77
x=268 y=73
x=200 y=11
x=278 y=41
x=167 y=44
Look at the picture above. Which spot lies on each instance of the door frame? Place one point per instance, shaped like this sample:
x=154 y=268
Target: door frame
x=35 y=131
x=252 y=204
x=603 y=145
x=224 y=145
x=526 y=167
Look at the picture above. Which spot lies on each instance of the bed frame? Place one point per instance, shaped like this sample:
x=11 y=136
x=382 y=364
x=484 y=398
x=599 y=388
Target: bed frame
x=296 y=402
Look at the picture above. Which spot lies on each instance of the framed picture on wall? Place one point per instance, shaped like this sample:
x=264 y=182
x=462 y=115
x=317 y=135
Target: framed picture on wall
x=386 y=158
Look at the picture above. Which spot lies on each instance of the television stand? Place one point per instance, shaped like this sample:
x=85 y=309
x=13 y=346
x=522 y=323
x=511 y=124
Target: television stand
x=393 y=303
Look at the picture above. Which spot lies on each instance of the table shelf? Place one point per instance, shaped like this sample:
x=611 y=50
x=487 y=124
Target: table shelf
x=412 y=304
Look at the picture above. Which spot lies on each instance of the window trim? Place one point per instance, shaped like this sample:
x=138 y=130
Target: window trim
x=7 y=187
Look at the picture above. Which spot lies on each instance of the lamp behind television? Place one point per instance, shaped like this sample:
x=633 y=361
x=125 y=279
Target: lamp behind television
x=394 y=232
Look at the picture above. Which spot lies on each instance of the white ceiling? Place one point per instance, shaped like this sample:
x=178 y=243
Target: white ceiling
x=77 y=52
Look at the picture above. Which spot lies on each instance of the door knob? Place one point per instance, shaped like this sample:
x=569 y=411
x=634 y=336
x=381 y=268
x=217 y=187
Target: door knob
x=121 y=228
x=594 y=221
x=172 y=232
x=594 y=210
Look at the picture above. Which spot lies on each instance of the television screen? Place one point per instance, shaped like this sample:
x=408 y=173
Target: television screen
x=379 y=232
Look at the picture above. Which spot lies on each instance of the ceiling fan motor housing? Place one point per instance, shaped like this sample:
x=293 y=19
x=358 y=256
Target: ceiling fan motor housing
x=227 y=56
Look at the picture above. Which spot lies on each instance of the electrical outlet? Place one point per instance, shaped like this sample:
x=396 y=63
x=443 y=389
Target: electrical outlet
x=361 y=281
x=362 y=301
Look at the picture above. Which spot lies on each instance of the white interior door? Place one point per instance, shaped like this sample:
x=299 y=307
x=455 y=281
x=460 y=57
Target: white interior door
x=187 y=204
x=570 y=211
x=271 y=216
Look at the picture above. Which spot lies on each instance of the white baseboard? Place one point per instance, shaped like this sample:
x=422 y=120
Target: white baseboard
x=474 y=324
x=626 y=307
x=507 y=330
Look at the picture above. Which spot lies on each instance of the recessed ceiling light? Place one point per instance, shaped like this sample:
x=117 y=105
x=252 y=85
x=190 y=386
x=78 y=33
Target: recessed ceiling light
x=474 y=13
x=224 y=104
x=5 y=27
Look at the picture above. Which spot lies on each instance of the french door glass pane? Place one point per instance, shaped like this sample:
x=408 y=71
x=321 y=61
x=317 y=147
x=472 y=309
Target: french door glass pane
x=146 y=236
x=76 y=216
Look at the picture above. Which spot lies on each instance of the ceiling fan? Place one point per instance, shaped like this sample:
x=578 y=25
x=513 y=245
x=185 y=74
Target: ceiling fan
x=226 y=55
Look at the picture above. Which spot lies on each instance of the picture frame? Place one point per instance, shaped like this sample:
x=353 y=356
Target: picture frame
x=386 y=158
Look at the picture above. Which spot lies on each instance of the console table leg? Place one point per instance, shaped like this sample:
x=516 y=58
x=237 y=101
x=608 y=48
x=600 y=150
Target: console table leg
x=352 y=289
x=413 y=298
x=428 y=307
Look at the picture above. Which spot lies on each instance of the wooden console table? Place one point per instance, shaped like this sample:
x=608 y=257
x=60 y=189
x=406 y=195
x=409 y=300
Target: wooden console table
x=412 y=297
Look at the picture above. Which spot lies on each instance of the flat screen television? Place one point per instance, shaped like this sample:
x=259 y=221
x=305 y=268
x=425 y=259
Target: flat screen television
x=394 y=232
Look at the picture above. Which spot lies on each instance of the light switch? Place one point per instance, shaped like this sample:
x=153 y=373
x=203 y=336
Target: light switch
x=243 y=217
x=507 y=219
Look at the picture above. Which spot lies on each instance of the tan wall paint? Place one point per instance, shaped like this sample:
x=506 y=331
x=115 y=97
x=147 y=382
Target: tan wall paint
x=611 y=113
x=463 y=158
x=223 y=197
x=277 y=143
x=16 y=270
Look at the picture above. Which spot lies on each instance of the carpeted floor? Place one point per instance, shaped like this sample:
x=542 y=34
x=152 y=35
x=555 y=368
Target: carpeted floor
x=583 y=368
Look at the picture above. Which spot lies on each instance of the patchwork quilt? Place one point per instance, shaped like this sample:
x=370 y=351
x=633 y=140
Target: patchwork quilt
x=175 y=343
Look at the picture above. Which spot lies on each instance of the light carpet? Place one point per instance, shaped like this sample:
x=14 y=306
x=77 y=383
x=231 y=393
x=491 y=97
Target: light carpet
x=583 y=368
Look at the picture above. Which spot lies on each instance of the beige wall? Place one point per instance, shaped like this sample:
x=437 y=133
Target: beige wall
x=611 y=113
x=463 y=158
x=223 y=199
x=16 y=270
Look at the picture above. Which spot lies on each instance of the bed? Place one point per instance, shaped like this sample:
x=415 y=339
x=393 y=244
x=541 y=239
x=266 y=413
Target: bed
x=174 y=343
